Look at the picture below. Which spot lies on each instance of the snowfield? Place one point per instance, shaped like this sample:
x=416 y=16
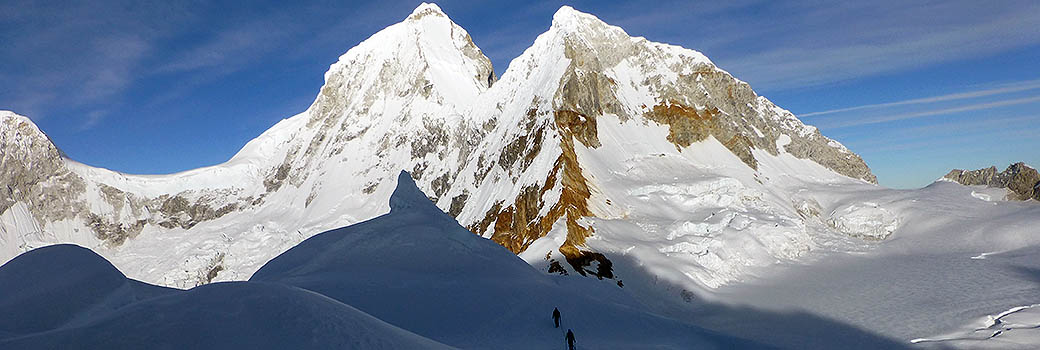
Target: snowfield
x=952 y=260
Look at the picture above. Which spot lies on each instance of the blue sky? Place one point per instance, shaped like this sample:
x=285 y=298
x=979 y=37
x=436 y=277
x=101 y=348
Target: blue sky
x=915 y=87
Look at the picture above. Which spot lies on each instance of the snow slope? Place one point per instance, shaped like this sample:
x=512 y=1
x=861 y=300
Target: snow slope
x=63 y=286
x=418 y=269
x=232 y=315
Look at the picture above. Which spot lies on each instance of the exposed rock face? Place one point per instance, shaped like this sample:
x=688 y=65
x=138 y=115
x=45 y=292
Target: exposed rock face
x=1021 y=180
x=984 y=176
x=34 y=171
x=519 y=225
x=690 y=94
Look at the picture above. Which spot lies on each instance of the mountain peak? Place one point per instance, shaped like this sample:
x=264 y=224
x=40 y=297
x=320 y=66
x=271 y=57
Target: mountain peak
x=565 y=11
x=424 y=9
x=569 y=19
x=425 y=51
x=407 y=194
x=12 y=117
x=16 y=129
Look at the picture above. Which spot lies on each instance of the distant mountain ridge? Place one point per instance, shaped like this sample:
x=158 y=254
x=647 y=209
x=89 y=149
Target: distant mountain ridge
x=1021 y=180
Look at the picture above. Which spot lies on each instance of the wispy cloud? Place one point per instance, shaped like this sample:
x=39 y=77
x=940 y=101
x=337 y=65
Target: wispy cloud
x=810 y=44
x=942 y=111
x=969 y=126
x=92 y=118
x=234 y=47
x=956 y=139
x=76 y=56
x=1004 y=89
x=943 y=131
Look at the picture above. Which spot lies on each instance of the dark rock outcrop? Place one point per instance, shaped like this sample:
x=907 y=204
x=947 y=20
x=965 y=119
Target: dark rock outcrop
x=1021 y=180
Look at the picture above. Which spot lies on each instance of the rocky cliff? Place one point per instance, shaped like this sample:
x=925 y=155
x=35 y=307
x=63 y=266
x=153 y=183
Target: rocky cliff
x=1021 y=180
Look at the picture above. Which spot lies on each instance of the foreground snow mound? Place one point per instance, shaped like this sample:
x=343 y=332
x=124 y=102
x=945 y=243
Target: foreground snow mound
x=63 y=285
x=56 y=296
x=418 y=269
x=233 y=315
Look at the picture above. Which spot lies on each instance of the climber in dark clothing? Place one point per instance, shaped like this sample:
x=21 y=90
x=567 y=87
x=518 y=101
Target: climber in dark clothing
x=556 y=317
x=570 y=340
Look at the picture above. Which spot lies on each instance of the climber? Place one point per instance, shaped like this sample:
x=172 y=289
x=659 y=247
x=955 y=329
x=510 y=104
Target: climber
x=556 y=317
x=570 y=340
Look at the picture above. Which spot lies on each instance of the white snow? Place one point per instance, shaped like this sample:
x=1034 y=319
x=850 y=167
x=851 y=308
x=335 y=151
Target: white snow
x=1018 y=327
x=988 y=194
x=868 y=220
x=16 y=223
x=64 y=295
x=927 y=278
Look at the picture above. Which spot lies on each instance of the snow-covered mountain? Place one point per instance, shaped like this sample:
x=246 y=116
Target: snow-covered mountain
x=705 y=213
x=393 y=102
x=604 y=140
x=594 y=144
